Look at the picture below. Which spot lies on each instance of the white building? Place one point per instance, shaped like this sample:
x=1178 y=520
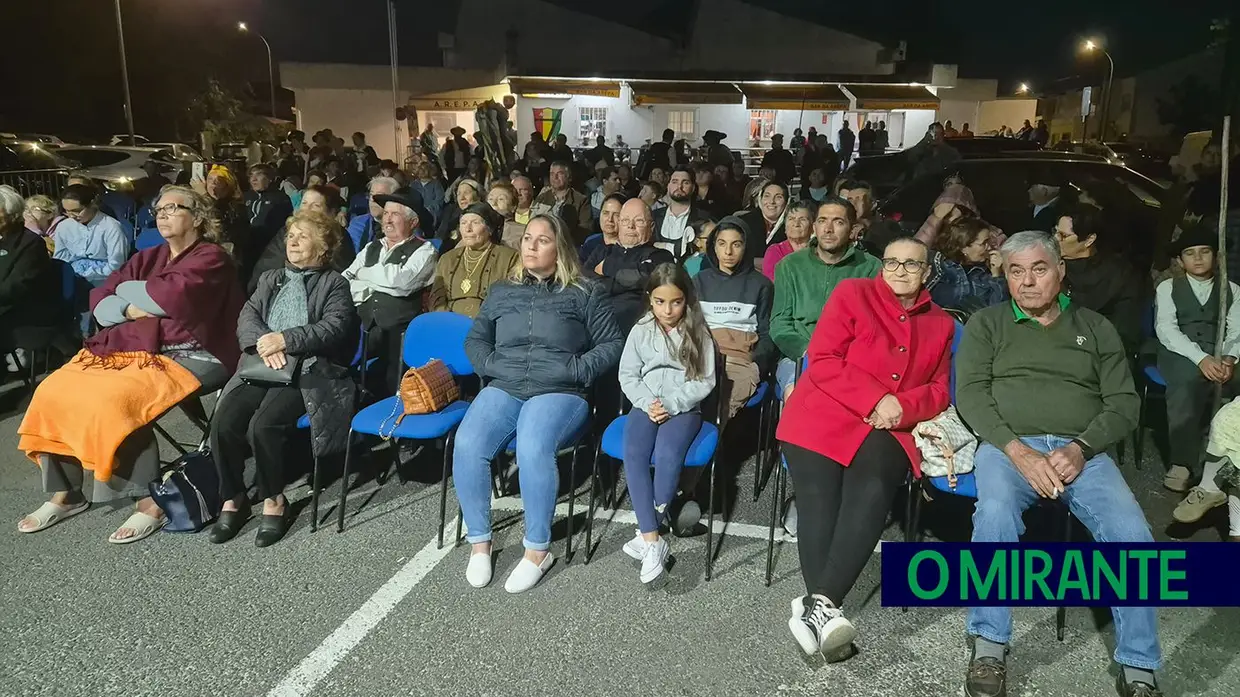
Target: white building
x=739 y=69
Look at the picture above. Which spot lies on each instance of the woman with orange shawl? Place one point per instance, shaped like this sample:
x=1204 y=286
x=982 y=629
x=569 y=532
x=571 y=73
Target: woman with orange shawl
x=168 y=318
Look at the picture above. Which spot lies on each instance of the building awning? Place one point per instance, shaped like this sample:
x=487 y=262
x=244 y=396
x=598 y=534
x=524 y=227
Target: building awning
x=893 y=97
x=685 y=93
x=533 y=87
x=795 y=97
x=459 y=100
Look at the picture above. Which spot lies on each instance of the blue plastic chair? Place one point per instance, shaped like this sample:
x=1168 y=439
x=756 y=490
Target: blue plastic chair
x=701 y=454
x=127 y=229
x=1151 y=384
x=147 y=238
x=429 y=336
x=359 y=204
x=436 y=243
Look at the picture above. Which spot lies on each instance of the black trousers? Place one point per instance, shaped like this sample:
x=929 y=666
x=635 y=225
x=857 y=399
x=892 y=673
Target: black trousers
x=841 y=511
x=1190 y=404
x=262 y=421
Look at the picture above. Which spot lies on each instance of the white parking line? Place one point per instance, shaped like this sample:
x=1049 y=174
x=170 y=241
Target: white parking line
x=313 y=668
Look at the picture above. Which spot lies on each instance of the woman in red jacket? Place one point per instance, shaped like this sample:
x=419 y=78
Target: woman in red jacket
x=879 y=362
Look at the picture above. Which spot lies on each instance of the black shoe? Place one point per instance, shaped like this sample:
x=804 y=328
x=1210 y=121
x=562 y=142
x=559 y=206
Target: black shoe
x=1136 y=688
x=987 y=677
x=271 y=528
x=228 y=525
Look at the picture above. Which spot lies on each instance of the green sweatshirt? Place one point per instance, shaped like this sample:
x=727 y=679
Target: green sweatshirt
x=1015 y=377
x=803 y=281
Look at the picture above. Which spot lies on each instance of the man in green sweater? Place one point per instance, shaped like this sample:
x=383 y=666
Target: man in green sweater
x=1046 y=385
x=804 y=280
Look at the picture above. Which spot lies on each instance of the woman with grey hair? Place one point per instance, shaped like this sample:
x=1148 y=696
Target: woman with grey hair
x=29 y=286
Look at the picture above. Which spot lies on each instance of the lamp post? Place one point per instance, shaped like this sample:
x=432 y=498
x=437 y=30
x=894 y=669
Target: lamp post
x=1091 y=46
x=271 y=73
x=120 y=35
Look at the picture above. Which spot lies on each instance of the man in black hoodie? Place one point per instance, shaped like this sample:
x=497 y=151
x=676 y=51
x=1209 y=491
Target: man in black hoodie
x=623 y=268
x=736 y=302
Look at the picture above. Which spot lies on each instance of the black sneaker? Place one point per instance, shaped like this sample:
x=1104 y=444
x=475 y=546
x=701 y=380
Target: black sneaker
x=987 y=677
x=820 y=627
x=1136 y=688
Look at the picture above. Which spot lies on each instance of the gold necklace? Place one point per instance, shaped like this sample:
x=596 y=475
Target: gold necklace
x=466 y=284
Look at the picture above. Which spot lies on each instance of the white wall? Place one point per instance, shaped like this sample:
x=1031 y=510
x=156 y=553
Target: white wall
x=1005 y=112
x=959 y=112
x=346 y=111
x=636 y=125
x=916 y=121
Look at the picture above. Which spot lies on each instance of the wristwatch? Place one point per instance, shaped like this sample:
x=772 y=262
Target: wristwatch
x=1087 y=452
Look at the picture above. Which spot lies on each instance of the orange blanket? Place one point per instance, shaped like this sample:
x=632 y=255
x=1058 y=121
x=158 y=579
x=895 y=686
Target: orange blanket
x=85 y=410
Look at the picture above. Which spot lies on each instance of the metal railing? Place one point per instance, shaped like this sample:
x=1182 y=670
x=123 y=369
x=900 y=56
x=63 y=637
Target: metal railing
x=48 y=182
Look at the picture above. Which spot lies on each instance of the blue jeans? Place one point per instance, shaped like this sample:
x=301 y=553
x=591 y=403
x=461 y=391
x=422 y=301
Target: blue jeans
x=663 y=445
x=542 y=426
x=1100 y=498
x=785 y=375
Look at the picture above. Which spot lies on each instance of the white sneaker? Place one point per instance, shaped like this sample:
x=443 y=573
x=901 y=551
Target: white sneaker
x=527 y=574
x=819 y=627
x=655 y=560
x=636 y=547
x=478 y=573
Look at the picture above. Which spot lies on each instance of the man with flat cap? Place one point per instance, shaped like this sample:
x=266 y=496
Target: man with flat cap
x=388 y=277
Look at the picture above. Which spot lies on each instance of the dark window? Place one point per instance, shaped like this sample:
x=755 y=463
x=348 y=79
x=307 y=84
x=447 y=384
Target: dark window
x=94 y=158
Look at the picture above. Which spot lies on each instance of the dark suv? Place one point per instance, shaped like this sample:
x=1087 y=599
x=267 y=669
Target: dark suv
x=886 y=172
x=1001 y=188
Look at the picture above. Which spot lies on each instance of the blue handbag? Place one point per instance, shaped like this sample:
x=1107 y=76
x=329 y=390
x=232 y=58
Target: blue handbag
x=188 y=491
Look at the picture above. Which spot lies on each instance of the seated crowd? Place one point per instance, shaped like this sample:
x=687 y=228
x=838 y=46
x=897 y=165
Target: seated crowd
x=667 y=285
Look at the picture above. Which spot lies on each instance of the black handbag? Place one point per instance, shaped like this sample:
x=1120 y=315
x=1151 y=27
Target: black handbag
x=253 y=371
x=188 y=491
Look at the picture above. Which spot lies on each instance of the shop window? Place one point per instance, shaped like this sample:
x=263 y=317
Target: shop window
x=593 y=123
x=761 y=125
x=684 y=123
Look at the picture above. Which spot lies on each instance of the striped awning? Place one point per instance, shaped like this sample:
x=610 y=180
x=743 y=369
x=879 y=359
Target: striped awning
x=532 y=87
x=810 y=97
x=685 y=93
x=880 y=97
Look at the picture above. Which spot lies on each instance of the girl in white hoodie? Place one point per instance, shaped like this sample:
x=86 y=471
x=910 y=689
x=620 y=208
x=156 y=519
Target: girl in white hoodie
x=666 y=370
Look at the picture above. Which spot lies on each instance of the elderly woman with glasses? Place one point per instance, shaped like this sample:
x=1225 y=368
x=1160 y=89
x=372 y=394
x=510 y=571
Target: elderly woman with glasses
x=169 y=322
x=301 y=314
x=878 y=364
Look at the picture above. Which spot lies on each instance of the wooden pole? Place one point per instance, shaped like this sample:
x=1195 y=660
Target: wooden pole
x=1221 y=257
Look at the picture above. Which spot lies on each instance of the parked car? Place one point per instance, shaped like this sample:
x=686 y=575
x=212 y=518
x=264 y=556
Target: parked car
x=32 y=170
x=43 y=139
x=115 y=167
x=123 y=139
x=887 y=172
x=180 y=151
x=1000 y=186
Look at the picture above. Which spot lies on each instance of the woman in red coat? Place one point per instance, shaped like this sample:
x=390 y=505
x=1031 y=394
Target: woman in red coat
x=879 y=364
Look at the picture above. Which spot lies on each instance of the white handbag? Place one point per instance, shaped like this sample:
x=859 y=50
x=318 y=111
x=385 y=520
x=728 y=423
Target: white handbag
x=947 y=446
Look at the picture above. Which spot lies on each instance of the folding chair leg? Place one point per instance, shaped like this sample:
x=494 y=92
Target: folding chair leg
x=757 y=463
x=314 y=497
x=344 y=482
x=777 y=497
x=572 y=498
x=710 y=525
x=1138 y=437
x=593 y=498
x=1061 y=614
x=912 y=525
x=443 y=482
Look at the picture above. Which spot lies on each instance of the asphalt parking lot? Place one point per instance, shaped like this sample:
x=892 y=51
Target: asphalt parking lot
x=379 y=610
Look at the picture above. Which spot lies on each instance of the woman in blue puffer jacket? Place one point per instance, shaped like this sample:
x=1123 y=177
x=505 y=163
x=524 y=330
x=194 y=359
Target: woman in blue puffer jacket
x=542 y=337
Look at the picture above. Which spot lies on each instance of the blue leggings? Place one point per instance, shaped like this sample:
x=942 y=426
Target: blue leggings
x=663 y=445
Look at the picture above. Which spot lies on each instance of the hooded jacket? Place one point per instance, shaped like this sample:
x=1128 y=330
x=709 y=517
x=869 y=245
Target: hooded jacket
x=625 y=272
x=737 y=306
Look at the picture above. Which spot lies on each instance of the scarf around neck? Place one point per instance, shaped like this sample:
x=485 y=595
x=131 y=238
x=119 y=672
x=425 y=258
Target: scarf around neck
x=291 y=306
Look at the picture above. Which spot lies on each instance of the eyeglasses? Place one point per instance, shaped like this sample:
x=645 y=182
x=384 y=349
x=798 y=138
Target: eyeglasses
x=634 y=222
x=76 y=214
x=911 y=265
x=169 y=209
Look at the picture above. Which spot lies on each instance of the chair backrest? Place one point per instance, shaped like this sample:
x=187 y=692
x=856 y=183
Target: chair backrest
x=436 y=243
x=127 y=228
x=956 y=337
x=359 y=204
x=148 y=238
x=592 y=238
x=438 y=335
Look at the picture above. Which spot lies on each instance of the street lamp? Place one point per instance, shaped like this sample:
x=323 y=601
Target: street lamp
x=1089 y=47
x=271 y=73
x=1023 y=89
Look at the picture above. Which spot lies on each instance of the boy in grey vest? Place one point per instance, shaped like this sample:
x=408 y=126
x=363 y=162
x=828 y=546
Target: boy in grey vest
x=1186 y=316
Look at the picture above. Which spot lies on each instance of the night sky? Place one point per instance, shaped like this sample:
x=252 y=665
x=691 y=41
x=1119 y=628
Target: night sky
x=62 y=58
